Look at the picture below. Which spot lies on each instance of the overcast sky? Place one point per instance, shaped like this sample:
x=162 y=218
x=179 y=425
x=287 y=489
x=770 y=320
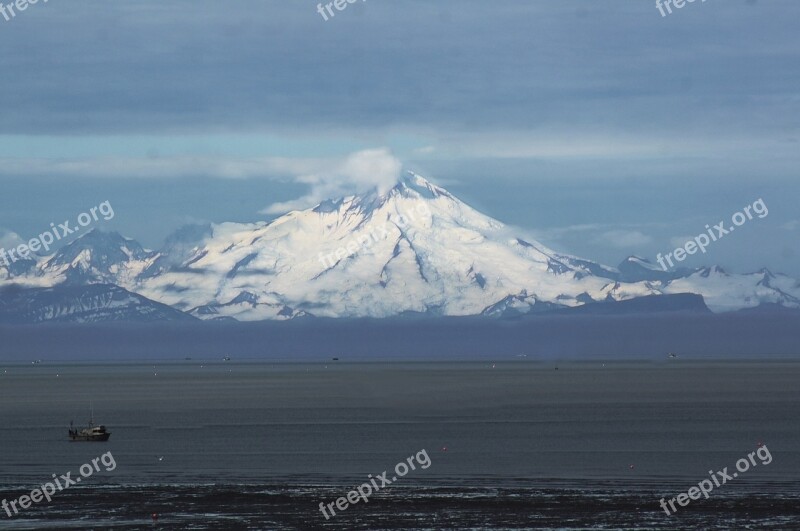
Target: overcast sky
x=601 y=127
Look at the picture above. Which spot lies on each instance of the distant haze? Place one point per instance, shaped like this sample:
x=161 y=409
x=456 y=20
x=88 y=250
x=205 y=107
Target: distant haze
x=552 y=338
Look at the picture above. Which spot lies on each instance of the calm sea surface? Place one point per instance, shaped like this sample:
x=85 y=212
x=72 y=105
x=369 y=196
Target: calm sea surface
x=234 y=445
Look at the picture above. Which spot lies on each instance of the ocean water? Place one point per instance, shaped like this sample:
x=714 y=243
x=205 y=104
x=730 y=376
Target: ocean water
x=524 y=445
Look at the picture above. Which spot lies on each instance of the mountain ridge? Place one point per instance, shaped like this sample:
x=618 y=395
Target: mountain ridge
x=416 y=249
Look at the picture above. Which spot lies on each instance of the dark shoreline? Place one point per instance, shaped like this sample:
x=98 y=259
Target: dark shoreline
x=402 y=507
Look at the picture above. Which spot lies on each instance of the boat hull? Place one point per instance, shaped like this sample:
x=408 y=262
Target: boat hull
x=89 y=438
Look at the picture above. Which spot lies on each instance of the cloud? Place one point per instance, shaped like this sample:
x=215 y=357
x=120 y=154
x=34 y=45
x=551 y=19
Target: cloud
x=9 y=239
x=380 y=69
x=372 y=169
x=362 y=171
x=162 y=167
x=623 y=239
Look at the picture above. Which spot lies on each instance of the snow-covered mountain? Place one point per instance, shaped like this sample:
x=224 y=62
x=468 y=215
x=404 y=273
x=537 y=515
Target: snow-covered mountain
x=724 y=292
x=97 y=257
x=414 y=249
x=93 y=303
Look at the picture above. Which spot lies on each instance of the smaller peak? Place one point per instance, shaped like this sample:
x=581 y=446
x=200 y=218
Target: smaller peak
x=636 y=258
x=96 y=237
x=101 y=244
x=634 y=262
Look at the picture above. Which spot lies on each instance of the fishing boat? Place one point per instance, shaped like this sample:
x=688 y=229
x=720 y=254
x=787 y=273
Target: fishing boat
x=91 y=434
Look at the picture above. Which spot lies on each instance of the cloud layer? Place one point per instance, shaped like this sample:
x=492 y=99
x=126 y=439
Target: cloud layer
x=374 y=169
